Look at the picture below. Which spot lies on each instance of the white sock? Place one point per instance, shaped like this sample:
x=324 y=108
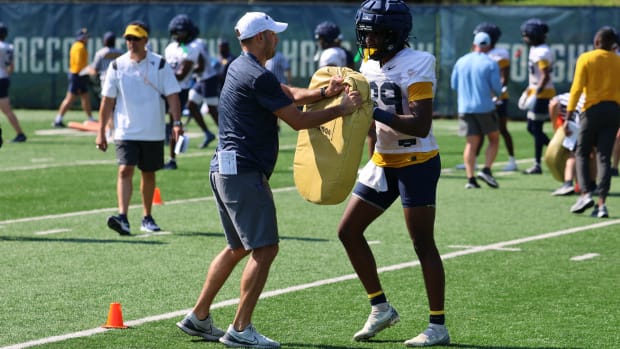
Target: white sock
x=58 y=118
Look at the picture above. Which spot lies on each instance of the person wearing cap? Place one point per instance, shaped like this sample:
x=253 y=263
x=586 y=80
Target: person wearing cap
x=329 y=52
x=476 y=79
x=103 y=57
x=6 y=69
x=251 y=101
x=78 y=79
x=133 y=93
x=595 y=76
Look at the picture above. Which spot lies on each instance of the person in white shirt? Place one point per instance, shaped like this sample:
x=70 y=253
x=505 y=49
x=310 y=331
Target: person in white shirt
x=133 y=93
x=329 y=53
x=205 y=89
x=183 y=58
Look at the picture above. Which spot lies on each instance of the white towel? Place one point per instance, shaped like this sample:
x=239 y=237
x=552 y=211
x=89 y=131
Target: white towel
x=373 y=176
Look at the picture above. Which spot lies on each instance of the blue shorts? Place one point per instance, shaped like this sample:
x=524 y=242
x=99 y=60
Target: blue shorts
x=78 y=84
x=415 y=184
x=502 y=108
x=247 y=210
x=4 y=87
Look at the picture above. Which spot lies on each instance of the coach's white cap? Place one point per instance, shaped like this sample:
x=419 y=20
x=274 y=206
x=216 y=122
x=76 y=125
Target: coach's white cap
x=482 y=39
x=253 y=23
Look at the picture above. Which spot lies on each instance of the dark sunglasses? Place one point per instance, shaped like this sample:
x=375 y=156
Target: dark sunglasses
x=132 y=38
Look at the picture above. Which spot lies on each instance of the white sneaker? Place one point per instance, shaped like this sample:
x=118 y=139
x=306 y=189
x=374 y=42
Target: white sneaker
x=510 y=167
x=202 y=328
x=433 y=335
x=248 y=338
x=377 y=322
x=583 y=203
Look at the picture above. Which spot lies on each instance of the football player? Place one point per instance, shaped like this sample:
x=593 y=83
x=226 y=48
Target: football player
x=182 y=57
x=405 y=163
x=540 y=63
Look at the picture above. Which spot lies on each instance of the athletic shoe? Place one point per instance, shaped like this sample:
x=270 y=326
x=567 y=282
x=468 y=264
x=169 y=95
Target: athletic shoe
x=209 y=137
x=565 y=189
x=488 y=179
x=170 y=165
x=433 y=335
x=248 y=338
x=583 y=203
x=471 y=185
x=58 y=124
x=600 y=211
x=149 y=225
x=614 y=172
x=533 y=170
x=377 y=322
x=119 y=225
x=20 y=138
x=200 y=328
x=511 y=167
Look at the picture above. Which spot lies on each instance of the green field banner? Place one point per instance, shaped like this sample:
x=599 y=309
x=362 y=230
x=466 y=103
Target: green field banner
x=42 y=34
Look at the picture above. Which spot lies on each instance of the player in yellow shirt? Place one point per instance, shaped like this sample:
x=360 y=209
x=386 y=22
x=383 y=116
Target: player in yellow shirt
x=78 y=79
x=596 y=75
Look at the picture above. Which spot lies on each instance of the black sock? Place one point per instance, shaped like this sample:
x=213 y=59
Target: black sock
x=437 y=317
x=378 y=299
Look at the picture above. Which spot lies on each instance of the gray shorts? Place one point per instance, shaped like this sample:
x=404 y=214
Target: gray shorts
x=247 y=210
x=147 y=155
x=477 y=124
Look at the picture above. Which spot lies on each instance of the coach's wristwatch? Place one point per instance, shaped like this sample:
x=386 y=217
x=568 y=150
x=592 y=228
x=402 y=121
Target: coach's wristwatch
x=177 y=123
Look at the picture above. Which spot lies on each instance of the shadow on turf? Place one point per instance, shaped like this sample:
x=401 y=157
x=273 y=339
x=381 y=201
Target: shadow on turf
x=453 y=345
x=79 y=241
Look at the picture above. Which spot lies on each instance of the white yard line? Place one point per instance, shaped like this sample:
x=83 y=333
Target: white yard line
x=471 y=250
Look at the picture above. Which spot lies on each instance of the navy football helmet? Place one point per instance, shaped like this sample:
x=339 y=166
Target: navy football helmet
x=391 y=17
x=535 y=30
x=182 y=28
x=328 y=31
x=491 y=29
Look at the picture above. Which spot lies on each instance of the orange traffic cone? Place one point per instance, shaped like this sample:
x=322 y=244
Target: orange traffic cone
x=157 y=197
x=115 y=317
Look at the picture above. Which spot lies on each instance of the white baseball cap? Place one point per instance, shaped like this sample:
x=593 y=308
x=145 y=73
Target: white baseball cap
x=253 y=23
x=482 y=39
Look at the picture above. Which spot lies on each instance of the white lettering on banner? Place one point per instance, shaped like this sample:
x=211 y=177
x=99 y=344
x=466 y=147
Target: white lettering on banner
x=50 y=55
x=52 y=66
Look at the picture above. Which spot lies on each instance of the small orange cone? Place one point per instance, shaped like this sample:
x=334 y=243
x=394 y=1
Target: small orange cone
x=157 y=197
x=115 y=317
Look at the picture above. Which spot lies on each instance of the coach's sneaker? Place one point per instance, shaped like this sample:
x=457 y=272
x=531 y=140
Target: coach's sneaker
x=119 y=224
x=511 y=167
x=149 y=225
x=583 y=203
x=248 y=338
x=565 y=189
x=486 y=176
x=433 y=335
x=201 y=328
x=377 y=322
